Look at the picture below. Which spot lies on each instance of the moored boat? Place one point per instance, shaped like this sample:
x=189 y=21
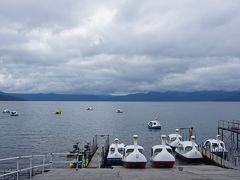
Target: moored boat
x=187 y=150
x=161 y=155
x=133 y=155
x=173 y=140
x=75 y=149
x=216 y=146
x=115 y=153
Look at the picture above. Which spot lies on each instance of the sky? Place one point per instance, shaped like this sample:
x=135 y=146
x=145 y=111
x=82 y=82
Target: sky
x=119 y=47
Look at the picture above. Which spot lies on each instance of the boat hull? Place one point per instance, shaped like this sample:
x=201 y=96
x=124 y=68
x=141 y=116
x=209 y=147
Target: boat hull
x=136 y=165
x=162 y=164
x=190 y=160
x=156 y=127
x=114 y=161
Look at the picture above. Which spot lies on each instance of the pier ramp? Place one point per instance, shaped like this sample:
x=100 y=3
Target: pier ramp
x=217 y=160
x=99 y=157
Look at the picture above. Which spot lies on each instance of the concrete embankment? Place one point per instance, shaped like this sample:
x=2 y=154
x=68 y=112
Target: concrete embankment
x=196 y=172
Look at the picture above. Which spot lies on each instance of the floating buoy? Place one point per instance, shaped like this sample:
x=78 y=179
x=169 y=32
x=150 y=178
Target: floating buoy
x=58 y=111
x=72 y=165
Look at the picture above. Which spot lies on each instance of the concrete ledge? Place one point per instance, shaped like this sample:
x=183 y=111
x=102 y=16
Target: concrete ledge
x=196 y=172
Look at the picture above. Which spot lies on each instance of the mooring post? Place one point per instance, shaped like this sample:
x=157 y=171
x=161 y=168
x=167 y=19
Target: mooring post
x=237 y=143
x=77 y=161
x=30 y=165
x=18 y=168
x=51 y=159
x=43 y=167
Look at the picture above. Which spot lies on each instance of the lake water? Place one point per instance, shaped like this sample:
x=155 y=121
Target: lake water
x=38 y=130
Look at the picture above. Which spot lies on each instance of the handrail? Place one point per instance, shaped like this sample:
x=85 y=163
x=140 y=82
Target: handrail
x=216 y=159
x=86 y=154
x=43 y=165
x=24 y=169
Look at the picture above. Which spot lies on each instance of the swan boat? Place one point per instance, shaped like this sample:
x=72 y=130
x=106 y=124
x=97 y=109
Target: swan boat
x=115 y=153
x=173 y=140
x=133 y=155
x=89 y=109
x=119 y=111
x=14 y=113
x=6 y=111
x=187 y=150
x=161 y=155
x=216 y=146
x=155 y=124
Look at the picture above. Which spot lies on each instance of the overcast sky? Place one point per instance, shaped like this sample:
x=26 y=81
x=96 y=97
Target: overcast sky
x=118 y=47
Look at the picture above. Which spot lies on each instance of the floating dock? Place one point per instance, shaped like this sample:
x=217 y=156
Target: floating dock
x=196 y=172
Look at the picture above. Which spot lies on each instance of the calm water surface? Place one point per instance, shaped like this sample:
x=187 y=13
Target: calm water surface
x=38 y=130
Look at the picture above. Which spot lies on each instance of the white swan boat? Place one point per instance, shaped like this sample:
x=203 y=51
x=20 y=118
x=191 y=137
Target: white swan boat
x=216 y=146
x=6 y=111
x=187 y=150
x=173 y=140
x=133 y=155
x=115 y=153
x=89 y=109
x=155 y=124
x=14 y=113
x=161 y=155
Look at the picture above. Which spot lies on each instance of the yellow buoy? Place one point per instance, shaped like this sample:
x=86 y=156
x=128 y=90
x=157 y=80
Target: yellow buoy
x=72 y=165
x=58 y=111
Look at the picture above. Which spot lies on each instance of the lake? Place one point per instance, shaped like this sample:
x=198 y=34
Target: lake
x=39 y=130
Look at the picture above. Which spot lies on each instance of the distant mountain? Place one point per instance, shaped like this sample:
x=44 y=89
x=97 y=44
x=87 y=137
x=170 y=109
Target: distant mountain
x=4 y=97
x=56 y=97
x=151 y=96
x=182 y=96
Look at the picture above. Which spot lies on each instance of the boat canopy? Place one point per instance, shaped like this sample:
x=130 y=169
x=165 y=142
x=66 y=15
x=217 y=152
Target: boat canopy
x=158 y=148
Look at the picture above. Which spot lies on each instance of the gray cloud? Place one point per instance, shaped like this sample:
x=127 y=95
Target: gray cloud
x=72 y=46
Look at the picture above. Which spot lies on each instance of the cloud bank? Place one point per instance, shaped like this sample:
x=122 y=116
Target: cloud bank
x=102 y=46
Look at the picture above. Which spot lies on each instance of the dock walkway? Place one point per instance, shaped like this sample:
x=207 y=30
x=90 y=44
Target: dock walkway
x=195 y=172
x=96 y=160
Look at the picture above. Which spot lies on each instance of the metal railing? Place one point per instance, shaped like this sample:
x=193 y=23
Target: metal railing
x=47 y=160
x=233 y=125
x=80 y=159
